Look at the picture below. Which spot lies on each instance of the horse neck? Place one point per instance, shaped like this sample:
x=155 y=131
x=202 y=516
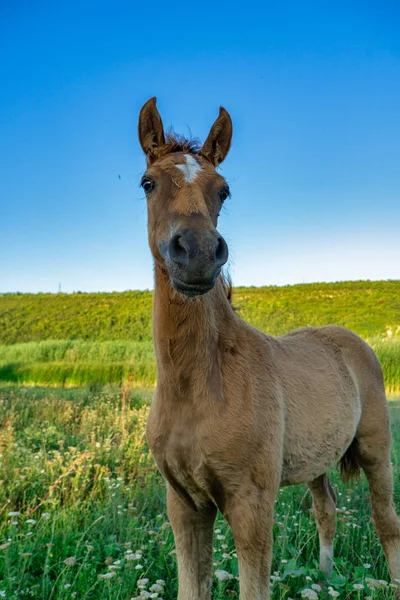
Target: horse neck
x=190 y=334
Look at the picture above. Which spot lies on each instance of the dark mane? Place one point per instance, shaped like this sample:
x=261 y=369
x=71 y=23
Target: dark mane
x=177 y=143
x=228 y=287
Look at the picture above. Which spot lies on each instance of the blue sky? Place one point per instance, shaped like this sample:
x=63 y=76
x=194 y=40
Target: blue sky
x=313 y=89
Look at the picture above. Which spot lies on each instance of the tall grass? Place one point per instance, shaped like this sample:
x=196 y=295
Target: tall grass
x=79 y=363
x=75 y=351
x=388 y=352
x=66 y=374
x=82 y=509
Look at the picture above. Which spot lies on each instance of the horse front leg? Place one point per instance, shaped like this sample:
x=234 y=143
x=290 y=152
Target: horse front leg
x=193 y=533
x=250 y=516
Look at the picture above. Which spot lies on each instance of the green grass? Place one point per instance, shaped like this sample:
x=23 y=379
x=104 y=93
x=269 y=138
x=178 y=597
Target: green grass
x=77 y=363
x=75 y=466
x=75 y=351
x=82 y=339
x=366 y=307
x=388 y=352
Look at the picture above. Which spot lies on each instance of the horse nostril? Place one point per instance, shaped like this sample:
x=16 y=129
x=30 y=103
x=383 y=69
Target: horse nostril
x=221 y=252
x=177 y=250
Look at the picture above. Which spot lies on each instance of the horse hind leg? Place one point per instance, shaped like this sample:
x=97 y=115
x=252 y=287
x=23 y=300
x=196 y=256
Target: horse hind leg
x=384 y=517
x=324 y=508
x=371 y=451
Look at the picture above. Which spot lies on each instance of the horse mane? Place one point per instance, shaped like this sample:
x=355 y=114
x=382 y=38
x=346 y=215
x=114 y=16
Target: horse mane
x=177 y=143
x=228 y=287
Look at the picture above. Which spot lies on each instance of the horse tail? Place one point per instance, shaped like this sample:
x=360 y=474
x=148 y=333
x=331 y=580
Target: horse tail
x=350 y=463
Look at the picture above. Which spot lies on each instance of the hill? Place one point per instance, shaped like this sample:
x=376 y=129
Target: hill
x=80 y=339
x=367 y=307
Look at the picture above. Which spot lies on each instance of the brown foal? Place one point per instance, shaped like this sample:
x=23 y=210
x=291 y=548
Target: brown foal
x=238 y=413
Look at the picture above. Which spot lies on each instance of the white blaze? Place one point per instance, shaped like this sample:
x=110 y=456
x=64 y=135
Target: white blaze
x=190 y=169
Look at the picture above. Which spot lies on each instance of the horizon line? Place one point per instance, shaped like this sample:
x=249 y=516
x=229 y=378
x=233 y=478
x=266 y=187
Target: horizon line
x=150 y=290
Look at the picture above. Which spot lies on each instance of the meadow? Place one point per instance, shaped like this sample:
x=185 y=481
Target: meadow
x=367 y=307
x=82 y=506
x=85 y=339
x=69 y=363
x=83 y=510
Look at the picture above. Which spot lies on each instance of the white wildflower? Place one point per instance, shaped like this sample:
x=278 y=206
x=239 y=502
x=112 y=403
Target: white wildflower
x=375 y=583
x=108 y=575
x=5 y=545
x=222 y=575
x=316 y=587
x=358 y=586
x=308 y=593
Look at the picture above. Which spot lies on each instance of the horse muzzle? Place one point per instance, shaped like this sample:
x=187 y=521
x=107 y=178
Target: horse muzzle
x=194 y=258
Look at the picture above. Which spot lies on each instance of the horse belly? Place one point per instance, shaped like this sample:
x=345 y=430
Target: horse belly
x=315 y=444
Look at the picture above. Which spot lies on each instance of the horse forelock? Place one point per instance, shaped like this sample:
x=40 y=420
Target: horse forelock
x=177 y=143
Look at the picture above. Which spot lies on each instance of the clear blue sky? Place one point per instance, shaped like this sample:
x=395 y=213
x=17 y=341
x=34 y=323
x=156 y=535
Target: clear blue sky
x=314 y=93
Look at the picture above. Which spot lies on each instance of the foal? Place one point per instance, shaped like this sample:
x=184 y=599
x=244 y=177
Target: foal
x=238 y=413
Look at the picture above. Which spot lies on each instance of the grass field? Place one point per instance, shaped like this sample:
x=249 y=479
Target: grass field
x=367 y=307
x=79 y=363
x=85 y=339
x=82 y=509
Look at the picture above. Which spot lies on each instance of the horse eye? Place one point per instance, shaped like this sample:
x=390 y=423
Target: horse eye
x=223 y=195
x=147 y=185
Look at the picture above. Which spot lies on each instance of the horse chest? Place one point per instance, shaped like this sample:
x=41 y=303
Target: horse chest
x=180 y=459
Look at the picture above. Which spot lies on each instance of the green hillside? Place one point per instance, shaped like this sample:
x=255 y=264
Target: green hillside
x=81 y=339
x=366 y=307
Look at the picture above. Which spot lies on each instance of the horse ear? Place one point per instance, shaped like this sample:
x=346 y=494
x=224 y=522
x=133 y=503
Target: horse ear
x=151 y=131
x=218 y=142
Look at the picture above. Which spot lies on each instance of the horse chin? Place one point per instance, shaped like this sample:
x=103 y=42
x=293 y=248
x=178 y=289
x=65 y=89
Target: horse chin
x=191 y=290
